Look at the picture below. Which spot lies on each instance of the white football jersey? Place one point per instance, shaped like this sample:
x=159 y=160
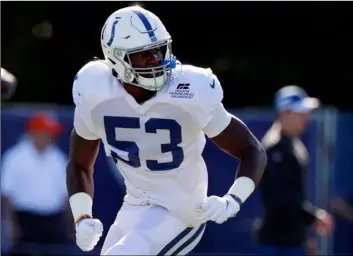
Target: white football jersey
x=157 y=145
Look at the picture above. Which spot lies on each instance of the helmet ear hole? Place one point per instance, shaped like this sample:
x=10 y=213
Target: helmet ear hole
x=115 y=74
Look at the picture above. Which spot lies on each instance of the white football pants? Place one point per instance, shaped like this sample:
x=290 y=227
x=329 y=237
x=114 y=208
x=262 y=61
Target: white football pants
x=141 y=230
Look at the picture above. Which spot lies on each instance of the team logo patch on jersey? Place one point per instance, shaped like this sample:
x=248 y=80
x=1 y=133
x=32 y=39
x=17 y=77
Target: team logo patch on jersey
x=182 y=91
x=183 y=86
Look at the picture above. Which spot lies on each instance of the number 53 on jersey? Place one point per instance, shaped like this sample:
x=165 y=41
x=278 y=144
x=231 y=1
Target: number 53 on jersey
x=151 y=126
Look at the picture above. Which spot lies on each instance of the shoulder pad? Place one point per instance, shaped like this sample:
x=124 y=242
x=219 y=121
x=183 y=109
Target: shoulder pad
x=93 y=82
x=203 y=85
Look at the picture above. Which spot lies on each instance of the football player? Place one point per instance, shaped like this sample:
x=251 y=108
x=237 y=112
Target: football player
x=152 y=114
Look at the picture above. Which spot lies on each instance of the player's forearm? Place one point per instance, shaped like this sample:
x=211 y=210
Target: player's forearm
x=80 y=187
x=252 y=165
x=238 y=141
x=83 y=154
x=79 y=180
x=252 y=162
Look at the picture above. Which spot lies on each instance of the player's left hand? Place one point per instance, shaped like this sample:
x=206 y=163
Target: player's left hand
x=217 y=209
x=88 y=233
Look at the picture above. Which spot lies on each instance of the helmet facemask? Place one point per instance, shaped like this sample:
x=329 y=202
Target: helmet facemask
x=150 y=78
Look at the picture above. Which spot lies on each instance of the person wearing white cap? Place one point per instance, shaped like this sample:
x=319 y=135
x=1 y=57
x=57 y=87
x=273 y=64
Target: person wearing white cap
x=288 y=214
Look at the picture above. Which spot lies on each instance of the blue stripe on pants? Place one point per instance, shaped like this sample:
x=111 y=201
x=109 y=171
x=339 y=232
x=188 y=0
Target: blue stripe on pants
x=179 y=237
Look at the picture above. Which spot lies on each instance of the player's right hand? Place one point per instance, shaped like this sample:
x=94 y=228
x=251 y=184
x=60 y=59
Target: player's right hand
x=88 y=233
x=217 y=209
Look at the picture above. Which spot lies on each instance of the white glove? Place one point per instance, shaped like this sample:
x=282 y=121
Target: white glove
x=218 y=209
x=88 y=233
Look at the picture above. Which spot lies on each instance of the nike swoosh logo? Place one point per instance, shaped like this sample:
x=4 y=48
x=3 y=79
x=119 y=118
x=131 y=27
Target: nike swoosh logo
x=213 y=84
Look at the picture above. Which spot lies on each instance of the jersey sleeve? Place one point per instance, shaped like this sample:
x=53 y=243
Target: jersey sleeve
x=81 y=126
x=82 y=94
x=211 y=114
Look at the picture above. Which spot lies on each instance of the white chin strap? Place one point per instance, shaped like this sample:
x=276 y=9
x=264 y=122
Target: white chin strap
x=152 y=84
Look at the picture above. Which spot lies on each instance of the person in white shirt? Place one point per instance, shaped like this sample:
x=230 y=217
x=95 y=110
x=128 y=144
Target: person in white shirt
x=33 y=183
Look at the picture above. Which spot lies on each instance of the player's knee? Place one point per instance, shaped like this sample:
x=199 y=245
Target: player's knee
x=131 y=244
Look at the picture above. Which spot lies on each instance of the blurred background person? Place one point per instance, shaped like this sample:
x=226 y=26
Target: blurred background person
x=33 y=186
x=287 y=212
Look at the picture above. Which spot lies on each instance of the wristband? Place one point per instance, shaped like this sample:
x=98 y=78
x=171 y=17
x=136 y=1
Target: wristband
x=82 y=217
x=242 y=188
x=81 y=206
x=236 y=199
